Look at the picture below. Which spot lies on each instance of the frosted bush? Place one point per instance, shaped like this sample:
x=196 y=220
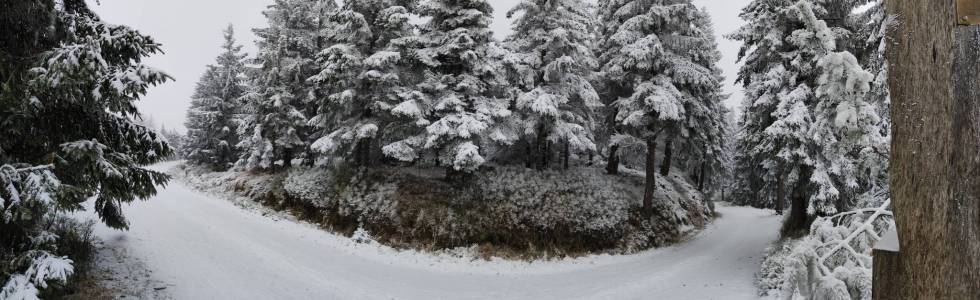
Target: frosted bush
x=575 y=210
x=311 y=186
x=573 y=200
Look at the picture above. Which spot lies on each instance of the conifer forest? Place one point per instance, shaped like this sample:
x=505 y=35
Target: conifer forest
x=477 y=149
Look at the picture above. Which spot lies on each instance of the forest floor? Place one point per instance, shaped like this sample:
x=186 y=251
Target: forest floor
x=199 y=246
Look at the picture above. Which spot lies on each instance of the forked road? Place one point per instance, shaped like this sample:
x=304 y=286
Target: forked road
x=206 y=247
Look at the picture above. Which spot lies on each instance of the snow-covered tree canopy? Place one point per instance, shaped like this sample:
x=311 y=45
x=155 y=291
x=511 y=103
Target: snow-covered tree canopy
x=808 y=116
x=275 y=131
x=553 y=48
x=656 y=62
x=660 y=77
x=461 y=107
x=362 y=77
x=211 y=124
x=70 y=132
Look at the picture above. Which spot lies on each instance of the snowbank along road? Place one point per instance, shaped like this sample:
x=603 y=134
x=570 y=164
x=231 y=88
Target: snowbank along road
x=207 y=247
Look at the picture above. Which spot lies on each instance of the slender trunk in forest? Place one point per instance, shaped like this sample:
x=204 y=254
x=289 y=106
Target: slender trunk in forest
x=541 y=149
x=797 y=221
x=668 y=156
x=780 y=194
x=612 y=165
x=547 y=154
x=566 y=153
x=362 y=152
x=287 y=158
x=934 y=80
x=651 y=176
x=702 y=176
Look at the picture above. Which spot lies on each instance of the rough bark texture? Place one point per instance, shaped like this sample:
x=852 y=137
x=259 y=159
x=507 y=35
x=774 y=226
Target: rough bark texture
x=565 y=153
x=934 y=69
x=798 y=219
x=780 y=195
x=668 y=156
x=651 y=176
x=612 y=165
x=702 y=176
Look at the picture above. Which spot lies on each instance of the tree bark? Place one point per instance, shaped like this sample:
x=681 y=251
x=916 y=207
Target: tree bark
x=362 y=152
x=702 y=176
x=934 y=79
x=780 y=194
x=797 y=220
x=612 y=165
x=668 y=156
x=651 y=176
x=566 y=153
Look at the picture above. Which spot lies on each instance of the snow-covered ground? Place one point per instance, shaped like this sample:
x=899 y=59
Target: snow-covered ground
x=206 y=247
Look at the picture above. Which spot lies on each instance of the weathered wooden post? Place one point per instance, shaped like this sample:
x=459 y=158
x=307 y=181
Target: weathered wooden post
x=934 y=65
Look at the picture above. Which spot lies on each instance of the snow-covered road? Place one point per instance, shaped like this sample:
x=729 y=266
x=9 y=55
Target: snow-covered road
x=206 y=247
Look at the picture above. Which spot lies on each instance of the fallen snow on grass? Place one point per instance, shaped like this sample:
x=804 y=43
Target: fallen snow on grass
x=206 y=247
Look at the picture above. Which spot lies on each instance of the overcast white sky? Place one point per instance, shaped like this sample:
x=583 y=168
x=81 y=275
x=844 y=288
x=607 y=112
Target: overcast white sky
x=190 y=31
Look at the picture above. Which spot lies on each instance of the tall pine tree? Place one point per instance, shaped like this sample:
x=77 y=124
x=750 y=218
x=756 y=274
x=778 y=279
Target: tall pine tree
x=463 y=105
x=808 y=120
x=362 y=78
x=70 y=132
x=554 y=42
x=658 y=64
x=211 y=125
x=275 y=131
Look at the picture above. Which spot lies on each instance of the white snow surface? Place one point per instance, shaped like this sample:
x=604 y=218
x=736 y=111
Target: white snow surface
x=207 y=247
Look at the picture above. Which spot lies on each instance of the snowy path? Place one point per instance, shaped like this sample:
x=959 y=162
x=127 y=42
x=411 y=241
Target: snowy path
x=208 y=248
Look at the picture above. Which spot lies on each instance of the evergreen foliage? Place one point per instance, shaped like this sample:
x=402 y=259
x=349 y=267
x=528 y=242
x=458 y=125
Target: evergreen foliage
x=211 y=125
x=553 y=44
x=362 y=78
x=68 y=122
x=462 y=108
x=275 y=130
x=811 y=126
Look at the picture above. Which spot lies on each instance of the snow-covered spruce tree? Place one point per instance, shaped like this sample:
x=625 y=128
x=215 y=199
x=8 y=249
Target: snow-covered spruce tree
x=362 y=80
x=211 y=125
x=464 y=107
x=553 y=41
x=876 y=24
x=658 y=63
x=69 y=83
x=275 y=131
x=808 y=124
x=703 y=139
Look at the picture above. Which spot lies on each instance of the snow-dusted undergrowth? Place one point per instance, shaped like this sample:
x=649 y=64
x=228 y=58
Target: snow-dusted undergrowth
x=509 y=211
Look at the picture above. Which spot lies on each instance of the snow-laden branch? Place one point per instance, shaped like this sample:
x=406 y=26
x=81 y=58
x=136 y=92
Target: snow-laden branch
x=866 y=227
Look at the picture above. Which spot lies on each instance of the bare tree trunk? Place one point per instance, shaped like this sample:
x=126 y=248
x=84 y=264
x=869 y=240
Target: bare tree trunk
x=651 y=176
x=934 y=79
x=668 y=156
x=529 y=158
x=287 y=158
x=702 y=176
x=566 y=153
x=780 y=194
x=362 y=152
x=612 y=165
x=798 y=218
x=542 y=149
